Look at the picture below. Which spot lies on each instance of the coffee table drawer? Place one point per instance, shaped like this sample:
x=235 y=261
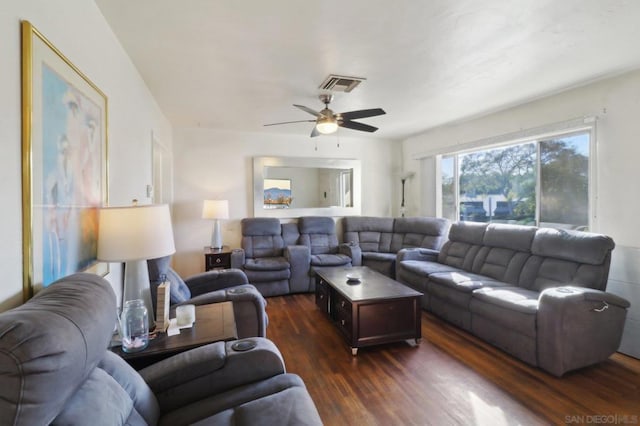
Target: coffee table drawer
x=322 y=295
x=388 y=319
x=341 y=313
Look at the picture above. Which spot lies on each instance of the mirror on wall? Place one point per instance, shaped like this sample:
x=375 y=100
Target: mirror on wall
x=294 y=187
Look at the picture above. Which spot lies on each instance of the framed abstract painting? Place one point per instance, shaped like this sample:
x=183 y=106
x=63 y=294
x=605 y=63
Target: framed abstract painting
x=64 y=165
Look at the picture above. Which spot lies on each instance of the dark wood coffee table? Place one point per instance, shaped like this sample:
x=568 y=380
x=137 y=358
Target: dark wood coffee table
x=214 y=322
x=375 y=310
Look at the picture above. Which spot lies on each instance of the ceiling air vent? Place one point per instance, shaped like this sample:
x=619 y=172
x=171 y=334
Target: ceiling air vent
x=339 y=83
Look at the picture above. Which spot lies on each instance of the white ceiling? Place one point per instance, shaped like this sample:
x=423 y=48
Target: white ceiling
x=239 y=64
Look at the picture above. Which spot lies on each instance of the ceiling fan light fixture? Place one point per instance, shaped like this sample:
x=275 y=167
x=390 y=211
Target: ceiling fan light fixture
x=327 y=125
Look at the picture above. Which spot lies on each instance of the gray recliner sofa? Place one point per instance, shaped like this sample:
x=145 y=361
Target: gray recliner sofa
x=536 y=293
x=271 y=265
x=55 y=368
x=375 y=241
x=318 y=233
x=281 y=258
x=226 y=285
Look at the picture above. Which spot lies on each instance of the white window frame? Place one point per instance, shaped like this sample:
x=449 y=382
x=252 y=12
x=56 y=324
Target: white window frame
x=581 y=125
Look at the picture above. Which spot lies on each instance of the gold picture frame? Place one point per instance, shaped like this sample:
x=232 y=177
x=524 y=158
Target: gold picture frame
x=64 y=164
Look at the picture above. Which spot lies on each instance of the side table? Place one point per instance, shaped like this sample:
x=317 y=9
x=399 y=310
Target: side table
x=214 y=322
x=217 y=258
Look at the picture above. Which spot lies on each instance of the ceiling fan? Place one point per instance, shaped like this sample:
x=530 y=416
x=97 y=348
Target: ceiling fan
x=327 y=121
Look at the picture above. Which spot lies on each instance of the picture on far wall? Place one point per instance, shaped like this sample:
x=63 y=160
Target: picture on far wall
x=277 y=193
x=64 y=164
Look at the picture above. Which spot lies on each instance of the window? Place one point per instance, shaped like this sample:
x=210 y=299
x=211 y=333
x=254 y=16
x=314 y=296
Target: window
x=543 y=181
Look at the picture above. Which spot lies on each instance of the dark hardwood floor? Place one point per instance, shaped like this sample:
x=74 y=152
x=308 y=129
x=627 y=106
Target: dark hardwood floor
x=451 y=378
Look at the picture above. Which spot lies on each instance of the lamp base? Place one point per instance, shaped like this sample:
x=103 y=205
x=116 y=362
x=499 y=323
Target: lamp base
x=136 y=286
x=216 y=236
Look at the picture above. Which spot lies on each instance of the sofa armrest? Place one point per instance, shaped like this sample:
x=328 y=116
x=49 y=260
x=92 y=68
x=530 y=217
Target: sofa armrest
x=299 y=257
x=578 y=327
x=211 y=369
x=424 y=254
x=248 y=308
x=215 y=280
x=353 y=251
x=237 y=258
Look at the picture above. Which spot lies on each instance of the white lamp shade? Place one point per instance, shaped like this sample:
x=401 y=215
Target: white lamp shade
x=215 y=209
x=135 y=233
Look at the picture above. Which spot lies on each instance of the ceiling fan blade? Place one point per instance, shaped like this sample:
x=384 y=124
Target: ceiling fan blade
x=315 y=132
x=362 y=113
x=289 y=122
x=357 y=126
x=309 y=110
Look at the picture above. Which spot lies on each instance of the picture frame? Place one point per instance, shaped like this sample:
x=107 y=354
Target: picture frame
x=64 y=164
x=277 y=194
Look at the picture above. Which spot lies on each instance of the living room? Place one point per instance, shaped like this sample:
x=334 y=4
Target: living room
x=211 y=160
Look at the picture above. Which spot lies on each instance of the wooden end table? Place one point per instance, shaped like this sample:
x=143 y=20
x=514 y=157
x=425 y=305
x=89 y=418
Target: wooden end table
x=214 y=322
x=374 y=310
x=217 y=258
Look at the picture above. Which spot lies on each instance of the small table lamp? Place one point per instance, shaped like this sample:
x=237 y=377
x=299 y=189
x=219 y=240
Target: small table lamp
x=216 y=209
x=134 y=234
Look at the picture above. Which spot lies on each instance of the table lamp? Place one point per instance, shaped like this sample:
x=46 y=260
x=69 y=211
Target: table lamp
x=132 y=235
x=216 y=209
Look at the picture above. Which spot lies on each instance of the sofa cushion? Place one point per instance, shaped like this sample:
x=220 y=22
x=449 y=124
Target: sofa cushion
x=463 y=281
x=409 y=232
x=467 y=232
x=266 y=264
x=377 y=256
x=256 y=277
x=372 y=234
x=320 y=243
x=540 y=273
x=290 y=234
x=260 y=226
x=514 y=237
x=111 y=396
x=316 y=225
x=330 y=260
x=574 y=246
x=499 y=263
x=50 y=345
x=367 y=223
x=426 y=268
x=263 y=245
x=512 y=307
x=318 y=233
x=281 y=399
x=465 y=240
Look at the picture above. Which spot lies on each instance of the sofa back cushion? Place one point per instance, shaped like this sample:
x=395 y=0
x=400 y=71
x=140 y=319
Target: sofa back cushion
x=319 y=234
x=505 y=250
x=464 y=242
x=567 y=257
x=51 y=347
x=421 y=232
x=262 y=237
x=372 y=234
x=113 y=394
x=290 y=234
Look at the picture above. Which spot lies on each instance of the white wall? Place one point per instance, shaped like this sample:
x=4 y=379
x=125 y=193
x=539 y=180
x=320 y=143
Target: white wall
x=616 y=104
x=213 y=164
x=79 y=31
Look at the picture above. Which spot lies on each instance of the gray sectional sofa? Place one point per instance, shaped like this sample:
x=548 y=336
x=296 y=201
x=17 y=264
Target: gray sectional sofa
x=55 y=368
x=536 y=293
x=375 y=241
x=281 y=259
